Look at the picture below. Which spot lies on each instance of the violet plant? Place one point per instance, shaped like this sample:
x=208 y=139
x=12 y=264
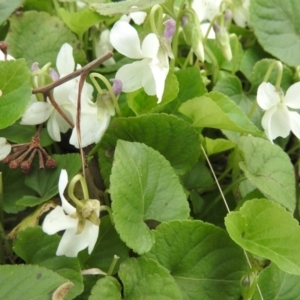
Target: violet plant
x=149 y=149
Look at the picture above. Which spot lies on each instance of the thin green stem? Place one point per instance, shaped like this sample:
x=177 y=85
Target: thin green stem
x=112 y=265
x=215 y=68
x=56 y=7
x=235 y=56
x=175 y=39
x=109 y=88
x=108 y=209
x=156 y=25
x=84 y=188
x=188 y=59
x=279 y=66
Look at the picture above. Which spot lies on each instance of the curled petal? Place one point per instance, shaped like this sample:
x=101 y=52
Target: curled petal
x=65 y=63
x=131 y=75
x=276 y=122
x=295 y=123
x=5 y=148
x=125 y=40
x=267 y=96
x=57 y=220
x=150 y=46
x=292 y=97
x=62 y=184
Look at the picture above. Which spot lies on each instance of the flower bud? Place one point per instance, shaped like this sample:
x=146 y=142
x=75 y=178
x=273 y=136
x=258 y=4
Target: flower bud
x=223 y=42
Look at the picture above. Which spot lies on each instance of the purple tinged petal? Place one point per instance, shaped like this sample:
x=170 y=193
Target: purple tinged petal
x=35 y=67
x=53 y=74
x=170 y=29
x=117 y=86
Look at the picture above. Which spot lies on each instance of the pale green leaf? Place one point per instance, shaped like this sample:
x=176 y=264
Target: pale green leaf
x=269 y=168
x=16 y=91
x=143 y=187
x=203 y=260
x=124 y=7
x=215 y=110
x=38 y=37
x=146 y=279
x=7 y=8
x=28 y=282
x=277 y=285
x=80 y=22
x=214 y=146
x=268 y=230
x=190 y=85
x=276 y=24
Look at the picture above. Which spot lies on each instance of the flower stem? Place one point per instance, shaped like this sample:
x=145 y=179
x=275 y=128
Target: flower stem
x=109 y=88
x=279 y=66
x=112 y=265
x=215 y=68
x=156 y=26
x=108 y=209
x=84 y=188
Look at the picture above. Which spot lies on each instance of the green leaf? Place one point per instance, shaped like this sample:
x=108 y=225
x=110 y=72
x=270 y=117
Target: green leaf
x=80 y=22
x=260 y=69
x=38 y=37
x=146 y=279
x=36 y=247
x=269 y=168
x=108 y=245
x=277 y=285
x=142 y=103
x=28 y=282
x=7 y=8
x=11 y=194
x=250 y=58
x=190 y=85
x=266 y=229
x=216 y=110
x=124 y=7
x=276 y=24
x=143 y=187
x=217 y=145
x=107 y=288
x=16 y=91
x=203 y=260
x=169 y=135
x=45 y=181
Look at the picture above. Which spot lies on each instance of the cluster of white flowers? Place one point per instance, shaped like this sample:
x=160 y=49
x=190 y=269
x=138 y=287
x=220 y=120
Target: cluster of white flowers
x=66 y=96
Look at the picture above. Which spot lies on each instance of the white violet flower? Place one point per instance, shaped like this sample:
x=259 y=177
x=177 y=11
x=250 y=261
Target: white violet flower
x=64 y=217
x=5 y=148
x=151 y=71
x=278 y=120
x=38 y=112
